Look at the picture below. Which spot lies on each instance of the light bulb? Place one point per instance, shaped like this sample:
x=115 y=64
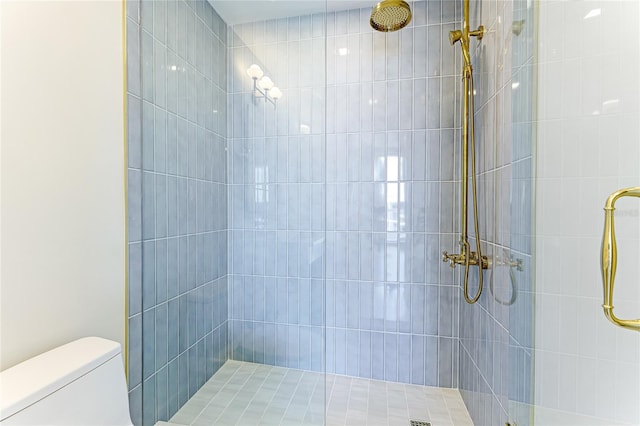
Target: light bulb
x=275 y=93
x=254 y=71
x=265 y=83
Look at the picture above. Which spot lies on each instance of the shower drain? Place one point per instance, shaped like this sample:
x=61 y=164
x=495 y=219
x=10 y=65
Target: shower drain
x=418 y=423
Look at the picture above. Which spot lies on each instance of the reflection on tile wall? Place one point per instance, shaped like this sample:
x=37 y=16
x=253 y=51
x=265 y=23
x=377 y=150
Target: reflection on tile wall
x=391 y=302
x=496 y=333
x=276 y=193
x=177 y=203
x=391 y=305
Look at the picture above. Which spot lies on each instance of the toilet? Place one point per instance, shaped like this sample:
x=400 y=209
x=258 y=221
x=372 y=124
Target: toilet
x=80 y=383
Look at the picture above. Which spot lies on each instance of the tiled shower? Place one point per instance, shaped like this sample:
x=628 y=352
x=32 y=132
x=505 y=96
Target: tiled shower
x=388 y=312
x=308 y=234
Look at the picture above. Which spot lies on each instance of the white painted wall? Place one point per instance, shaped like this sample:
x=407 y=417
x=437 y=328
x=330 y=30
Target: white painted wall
x=62 y=175
x=587 y=370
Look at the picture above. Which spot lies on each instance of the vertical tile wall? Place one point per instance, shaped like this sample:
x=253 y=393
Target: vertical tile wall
x=276 y=194
x=587 y=369
x=496 y=333
x=519 y=284
x=390 y=303
x=177 y=204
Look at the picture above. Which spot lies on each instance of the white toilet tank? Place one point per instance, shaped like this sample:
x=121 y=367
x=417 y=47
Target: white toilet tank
x=80 y=383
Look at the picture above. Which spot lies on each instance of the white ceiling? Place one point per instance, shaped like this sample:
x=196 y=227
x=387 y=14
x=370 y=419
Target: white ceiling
x=241 y=11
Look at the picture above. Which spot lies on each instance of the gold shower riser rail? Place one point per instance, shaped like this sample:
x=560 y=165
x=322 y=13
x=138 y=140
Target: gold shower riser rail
x=467 y=257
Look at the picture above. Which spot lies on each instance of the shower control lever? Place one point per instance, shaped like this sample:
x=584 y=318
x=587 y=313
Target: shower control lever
x=453 y=259
x=461 y=259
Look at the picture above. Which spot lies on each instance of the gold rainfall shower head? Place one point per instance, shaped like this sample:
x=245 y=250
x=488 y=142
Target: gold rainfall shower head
x=390 y=15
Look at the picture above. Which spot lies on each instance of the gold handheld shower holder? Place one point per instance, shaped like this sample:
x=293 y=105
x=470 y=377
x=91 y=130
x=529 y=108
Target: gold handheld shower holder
x=479 y=33
x=456 y=35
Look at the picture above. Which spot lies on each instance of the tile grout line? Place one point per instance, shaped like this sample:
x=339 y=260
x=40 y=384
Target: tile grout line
x=293 y=383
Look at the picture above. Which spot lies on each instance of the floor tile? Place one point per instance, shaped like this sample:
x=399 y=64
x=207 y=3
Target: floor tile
x=246 y=394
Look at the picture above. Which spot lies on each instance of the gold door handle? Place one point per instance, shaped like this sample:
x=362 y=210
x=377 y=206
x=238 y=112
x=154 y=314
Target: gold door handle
x=609 y=256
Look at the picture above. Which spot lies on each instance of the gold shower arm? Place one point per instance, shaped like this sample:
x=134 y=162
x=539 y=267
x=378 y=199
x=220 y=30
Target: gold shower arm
x=609 y=256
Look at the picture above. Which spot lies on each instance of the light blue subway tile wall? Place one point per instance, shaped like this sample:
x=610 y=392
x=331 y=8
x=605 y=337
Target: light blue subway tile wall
x=388 y=167
x=276 y=194
x=519 y=182
x=387 y=148
x=177 y=202
x=496 y=339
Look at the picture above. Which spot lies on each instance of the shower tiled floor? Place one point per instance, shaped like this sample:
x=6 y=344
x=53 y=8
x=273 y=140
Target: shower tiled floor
x=242 y=393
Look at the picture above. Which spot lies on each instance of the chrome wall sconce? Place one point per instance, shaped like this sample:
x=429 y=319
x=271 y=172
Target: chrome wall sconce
x=263 y=86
